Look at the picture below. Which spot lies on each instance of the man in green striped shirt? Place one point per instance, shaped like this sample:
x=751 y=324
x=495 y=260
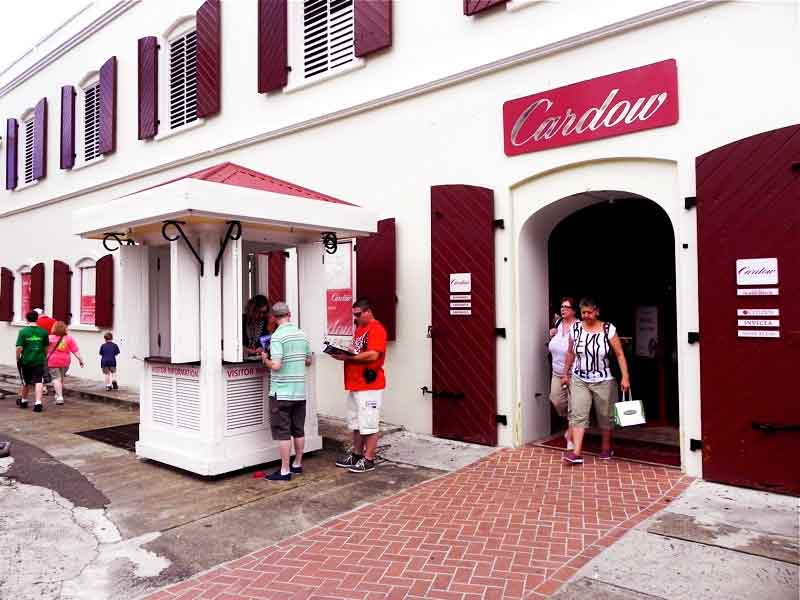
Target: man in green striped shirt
x=290 y=355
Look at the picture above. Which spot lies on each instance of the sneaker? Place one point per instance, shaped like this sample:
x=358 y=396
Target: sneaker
x=115 y=385
x=347 y=460
x=572 y=458
x=362 y=465
x=108 y=388
x=5 y=449
x=278 y=476
x=59 y=400
x=296 y=470
x=606 y=455
x=22 y=403
x=38 y=407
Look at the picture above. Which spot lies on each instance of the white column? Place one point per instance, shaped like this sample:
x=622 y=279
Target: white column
x=311 y=318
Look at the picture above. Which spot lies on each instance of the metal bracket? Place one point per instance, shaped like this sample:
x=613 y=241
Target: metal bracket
x=330 y=242
x=499 y=223
x=181 y=234
x=500 y=332
x=690 y=202
x=442 y=394
x=224 y=244
x=501 y=419
x=695 y=444
x=117 y=237
x=796 y=166
x=693 y=337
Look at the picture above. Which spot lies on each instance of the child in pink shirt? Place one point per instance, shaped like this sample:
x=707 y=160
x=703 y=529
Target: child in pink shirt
x=62 y=346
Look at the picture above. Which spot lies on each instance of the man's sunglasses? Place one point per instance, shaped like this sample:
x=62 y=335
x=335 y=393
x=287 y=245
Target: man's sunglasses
x=357 y=314
x=566 y=306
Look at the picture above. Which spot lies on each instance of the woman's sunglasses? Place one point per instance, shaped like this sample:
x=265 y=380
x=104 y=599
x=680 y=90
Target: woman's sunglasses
x=566 y=306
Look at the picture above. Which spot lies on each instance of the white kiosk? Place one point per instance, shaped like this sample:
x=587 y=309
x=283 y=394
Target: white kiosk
x=183 y=274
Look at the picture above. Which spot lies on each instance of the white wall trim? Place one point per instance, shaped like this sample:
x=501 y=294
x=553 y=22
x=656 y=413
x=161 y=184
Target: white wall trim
x=74 y=40
x=581 y=39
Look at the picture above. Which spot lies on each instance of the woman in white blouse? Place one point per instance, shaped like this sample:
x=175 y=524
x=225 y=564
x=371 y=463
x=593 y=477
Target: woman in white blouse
x=558 y=347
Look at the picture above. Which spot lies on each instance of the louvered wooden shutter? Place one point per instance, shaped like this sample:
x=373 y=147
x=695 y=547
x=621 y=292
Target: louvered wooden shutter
x=148 y=87
x=273 y=45
x=12 y=128
x=37 y=286
x=6 y=295
x=40 y=139
x=475 y=6
x=373 y=26
x=276 y=278
x=376 y=274
x=62 y=279
x=208 y=21
x=67 y=127
x=104 y=291
x=108 y=106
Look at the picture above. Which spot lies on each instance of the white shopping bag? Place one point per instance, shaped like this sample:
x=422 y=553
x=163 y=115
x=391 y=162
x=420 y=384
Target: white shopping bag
x=629 y=411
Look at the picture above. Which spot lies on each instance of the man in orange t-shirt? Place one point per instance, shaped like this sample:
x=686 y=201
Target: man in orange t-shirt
x=364 y=380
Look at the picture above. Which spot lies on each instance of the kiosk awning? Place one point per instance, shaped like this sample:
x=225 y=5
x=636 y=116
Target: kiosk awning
x=267 y=208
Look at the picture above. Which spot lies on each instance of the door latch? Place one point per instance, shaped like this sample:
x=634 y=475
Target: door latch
x=442 y=393
x=773 y=428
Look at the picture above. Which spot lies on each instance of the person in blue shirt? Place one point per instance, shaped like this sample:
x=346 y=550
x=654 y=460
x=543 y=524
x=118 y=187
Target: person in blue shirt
x=108 y=361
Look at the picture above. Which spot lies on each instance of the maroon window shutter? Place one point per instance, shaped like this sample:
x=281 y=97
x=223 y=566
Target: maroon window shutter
x=37 y=286
x=40 y=139
x=6 y=295
x=208 y=20
x=373 y=26
x=108 y=106
x=376 y=274
x=276 y=280
x=273 y=45
x=148 y=87
x=475 y=6
x=104 y=291
x=67 y=127
x=11 y=153
x=62 y=278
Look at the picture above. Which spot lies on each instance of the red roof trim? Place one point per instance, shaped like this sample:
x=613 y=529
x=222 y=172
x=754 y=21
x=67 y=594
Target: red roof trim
x=229 y=173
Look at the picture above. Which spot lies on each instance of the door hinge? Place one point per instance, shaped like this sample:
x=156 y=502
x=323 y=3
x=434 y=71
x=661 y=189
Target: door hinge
x=796 y=166
x=501 y=419
x=695 y=444
x=159 y=340
x=158 y=263
x=500 y=332
x=693 y=337
x=499 y=223
x=690 y=202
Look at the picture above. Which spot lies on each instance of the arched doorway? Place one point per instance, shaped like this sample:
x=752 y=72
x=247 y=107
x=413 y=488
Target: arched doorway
x=618 y=247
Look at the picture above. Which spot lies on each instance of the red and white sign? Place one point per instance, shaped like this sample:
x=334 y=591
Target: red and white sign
x=87 y=310
x=245 y=372
x=634 y=100
x=26 y=294
x=340 y=312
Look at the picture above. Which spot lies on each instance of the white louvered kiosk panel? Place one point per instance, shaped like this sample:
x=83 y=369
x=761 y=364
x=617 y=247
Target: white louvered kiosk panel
x=246 y=400
x=187 y=403
x=163 y=399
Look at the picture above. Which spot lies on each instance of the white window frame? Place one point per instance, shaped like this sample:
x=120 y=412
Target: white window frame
x=18 y=319
x=514 y=5
x=27 y=115
x=87 y=262
x=179 y=28
x=297 y=80
x=89 y=80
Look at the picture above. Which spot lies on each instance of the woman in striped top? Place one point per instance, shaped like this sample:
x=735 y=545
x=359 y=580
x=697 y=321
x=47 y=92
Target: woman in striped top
x=589 y=375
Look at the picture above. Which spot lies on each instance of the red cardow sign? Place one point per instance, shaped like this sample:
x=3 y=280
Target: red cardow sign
x=616 y=104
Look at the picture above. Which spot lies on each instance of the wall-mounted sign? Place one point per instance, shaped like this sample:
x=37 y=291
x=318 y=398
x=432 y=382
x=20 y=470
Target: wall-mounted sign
x=177 y=371
x=641 y=98
x=757 y=292
x=759 y=333
x=460 y=297
x=460 y=311
x=759 y=323
x=460 y=283
x=757 y=312
x=461 y=305
x=339 y=304
x=246 y=372
x=757 y=271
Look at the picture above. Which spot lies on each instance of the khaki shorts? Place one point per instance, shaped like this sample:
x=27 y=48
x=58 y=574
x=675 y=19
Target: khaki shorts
x=559 y=396
x=364 y=411
x=603 y=394
x=287 y=418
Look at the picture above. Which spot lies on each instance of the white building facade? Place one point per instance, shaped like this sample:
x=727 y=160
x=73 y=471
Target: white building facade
x=421 y=108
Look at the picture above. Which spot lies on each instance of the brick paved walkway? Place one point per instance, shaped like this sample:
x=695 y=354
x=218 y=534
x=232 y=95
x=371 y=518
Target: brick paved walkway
x=514 y=525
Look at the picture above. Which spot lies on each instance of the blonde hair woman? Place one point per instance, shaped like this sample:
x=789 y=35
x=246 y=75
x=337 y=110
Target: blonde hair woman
x=59 y=352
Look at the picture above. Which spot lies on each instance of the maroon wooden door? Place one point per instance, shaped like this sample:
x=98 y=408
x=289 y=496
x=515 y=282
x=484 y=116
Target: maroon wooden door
x=748 y=203
x=464 y=386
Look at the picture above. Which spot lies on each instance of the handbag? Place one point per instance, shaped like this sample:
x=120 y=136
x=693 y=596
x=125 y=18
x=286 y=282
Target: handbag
x=629 y=411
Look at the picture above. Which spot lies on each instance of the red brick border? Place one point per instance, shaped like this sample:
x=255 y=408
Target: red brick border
x=517 y=524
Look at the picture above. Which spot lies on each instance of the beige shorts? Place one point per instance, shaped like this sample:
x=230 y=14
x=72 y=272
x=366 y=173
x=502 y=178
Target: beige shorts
x=559 y=396
x=364 y=411
x=603 y=394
